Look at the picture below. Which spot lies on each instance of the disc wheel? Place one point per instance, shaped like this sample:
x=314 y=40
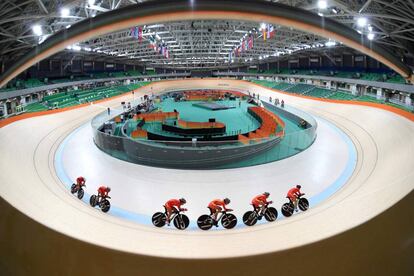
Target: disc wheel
x=159 y=219
x=229 y=221
x=105 y=205
x=303 y=204
x=287 y=209
x=93 y=200
x=250 y=218
x=270 y=214
x=205 y=222
x=73 y=188
x=181 y=222
x=81 y=192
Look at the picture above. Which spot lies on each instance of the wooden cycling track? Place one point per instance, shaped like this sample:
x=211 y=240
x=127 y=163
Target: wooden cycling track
x=366 y=228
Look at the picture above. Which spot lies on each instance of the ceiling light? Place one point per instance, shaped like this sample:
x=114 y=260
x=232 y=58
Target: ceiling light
x=64 y=12
x=334 y=11
x=320 y=14
x=322 y=4
x=362 y=21
x=371 y=36
x=37 y=30
x=370 y=28
x=330 y=43
x=91 y=2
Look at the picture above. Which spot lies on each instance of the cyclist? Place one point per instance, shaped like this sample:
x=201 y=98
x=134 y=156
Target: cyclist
x=173 y=205
x=80 y=181
x=293 y=195
x=103 y=192
x=216 y=206
x=260 y=201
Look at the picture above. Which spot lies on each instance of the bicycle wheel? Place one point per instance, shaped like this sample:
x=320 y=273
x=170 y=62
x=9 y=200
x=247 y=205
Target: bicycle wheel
x=93 y=200
x=228 y=221
x=303 y=204
x=287 y=209
x=159 y=219
x=205 y=222
x=73 y=188
x=105 y=205
x=270 y=214
x=81 y=192
x=181 y=221
x=250 y=218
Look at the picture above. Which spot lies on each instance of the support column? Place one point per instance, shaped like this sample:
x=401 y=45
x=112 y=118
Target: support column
x=328 y=84
x=354 y=89
x=379 y=93
x=3 y=107
x=408 y=100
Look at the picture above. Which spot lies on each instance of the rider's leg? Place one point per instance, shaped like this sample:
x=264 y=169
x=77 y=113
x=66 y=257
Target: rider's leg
x=169 y=213
x=295 y=203
x=215 y=214
x=262 y=207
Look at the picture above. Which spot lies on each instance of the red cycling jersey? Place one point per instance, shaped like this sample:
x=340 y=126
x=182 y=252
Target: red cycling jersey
x=170 y=204
x=293 y=193
x=80 y=180
x=217 y=204
x=259 y=200
x=103 y=191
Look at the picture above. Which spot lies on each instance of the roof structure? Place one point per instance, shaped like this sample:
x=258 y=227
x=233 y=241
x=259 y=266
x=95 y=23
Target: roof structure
x=202 y=43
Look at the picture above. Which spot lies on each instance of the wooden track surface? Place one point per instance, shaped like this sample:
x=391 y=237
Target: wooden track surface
x=384 y=175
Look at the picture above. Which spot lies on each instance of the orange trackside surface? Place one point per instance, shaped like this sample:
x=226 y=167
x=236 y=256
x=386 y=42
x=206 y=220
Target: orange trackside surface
x=270 y=122
x=243 y=139
x=200 y=95
x=157 y=116
x=186 y=124
x=139 y=133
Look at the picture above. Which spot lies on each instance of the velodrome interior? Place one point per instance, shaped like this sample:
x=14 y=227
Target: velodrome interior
x=358 y=175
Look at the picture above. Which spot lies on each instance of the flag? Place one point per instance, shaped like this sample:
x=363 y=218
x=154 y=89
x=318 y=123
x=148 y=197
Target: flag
x=251 y=42
x=136 y=32
x=243 y=46
x=167 y=53
x=264 y=31
x=140 y=34
x=270 y=31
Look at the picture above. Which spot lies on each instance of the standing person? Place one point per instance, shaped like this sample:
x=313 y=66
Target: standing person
x=109 y=111
x=270 y=99
x=293 y=195
x=174 y=205
x=282 y=104
x=239 y=103
x=277 y=101
x=129 y=105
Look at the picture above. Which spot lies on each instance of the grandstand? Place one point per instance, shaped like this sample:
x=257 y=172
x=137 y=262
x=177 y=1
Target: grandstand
x=76 y=97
